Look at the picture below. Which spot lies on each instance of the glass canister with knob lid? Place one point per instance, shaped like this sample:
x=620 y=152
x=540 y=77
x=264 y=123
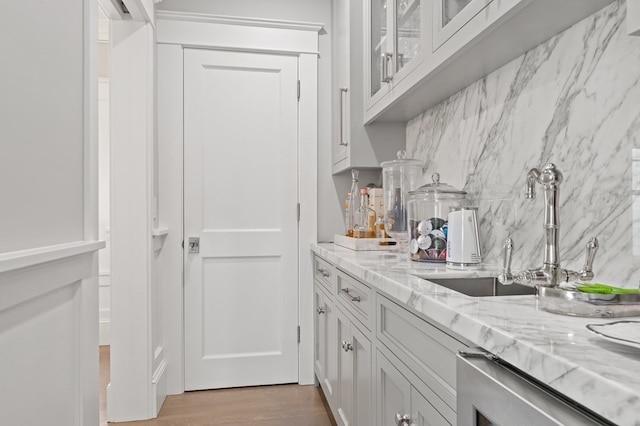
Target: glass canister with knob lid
x=427 y=212
x=399 y=176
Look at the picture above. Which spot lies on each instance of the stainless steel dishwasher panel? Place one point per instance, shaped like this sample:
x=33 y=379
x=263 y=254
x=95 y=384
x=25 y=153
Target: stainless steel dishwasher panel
x=490 y=393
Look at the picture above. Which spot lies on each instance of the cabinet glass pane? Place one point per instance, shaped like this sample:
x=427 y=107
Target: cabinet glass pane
x=378 y=41
x=451 y=8
x=407 y=31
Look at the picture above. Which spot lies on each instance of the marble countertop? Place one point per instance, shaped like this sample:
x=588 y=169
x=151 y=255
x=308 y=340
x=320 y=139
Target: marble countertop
x=556 y=349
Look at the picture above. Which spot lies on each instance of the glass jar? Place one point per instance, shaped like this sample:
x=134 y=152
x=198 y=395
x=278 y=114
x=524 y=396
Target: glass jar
x=427 y=212
x=399 y=176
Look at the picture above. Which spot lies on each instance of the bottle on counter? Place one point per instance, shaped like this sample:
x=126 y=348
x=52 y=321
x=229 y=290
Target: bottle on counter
x=365 y=218
x=352 y=208
x=347 y=227
x=379 y=225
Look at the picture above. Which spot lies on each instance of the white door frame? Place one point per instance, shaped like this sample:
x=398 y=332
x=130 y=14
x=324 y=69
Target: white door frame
x=176 y=30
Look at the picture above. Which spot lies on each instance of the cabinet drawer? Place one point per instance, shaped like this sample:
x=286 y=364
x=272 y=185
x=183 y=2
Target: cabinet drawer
x=325 y=273
x=355 y=296
x=428 y=351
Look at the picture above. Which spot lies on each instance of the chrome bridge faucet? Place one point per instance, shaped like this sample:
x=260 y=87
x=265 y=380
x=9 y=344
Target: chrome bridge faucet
x=549 y=274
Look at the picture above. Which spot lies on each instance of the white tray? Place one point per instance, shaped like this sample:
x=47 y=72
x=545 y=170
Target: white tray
x=364 y=244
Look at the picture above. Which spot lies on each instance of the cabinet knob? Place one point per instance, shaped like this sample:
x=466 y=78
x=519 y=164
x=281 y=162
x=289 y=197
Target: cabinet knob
x=403 y=420
x=320 y=310
x=347 y=346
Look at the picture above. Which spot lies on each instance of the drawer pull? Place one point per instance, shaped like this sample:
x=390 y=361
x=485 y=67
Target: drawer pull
x=403 y=420
x=324 y=272
x=320 y=310
x=347 y=346
x=353 y=298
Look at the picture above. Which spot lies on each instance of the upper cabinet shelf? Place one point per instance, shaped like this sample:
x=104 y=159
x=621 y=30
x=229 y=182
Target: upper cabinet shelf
x=420 y=52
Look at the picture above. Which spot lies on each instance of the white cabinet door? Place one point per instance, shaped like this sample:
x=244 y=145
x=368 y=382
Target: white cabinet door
x=393 y=392
x=343 y=338
x=362 y=378
x=325 y=345
x=353 y=144
x=451 y=15
x=398 y=400
x=354 y=394
x=341 y=88
x=240 y=200
x=320 y=330
x=395 y=43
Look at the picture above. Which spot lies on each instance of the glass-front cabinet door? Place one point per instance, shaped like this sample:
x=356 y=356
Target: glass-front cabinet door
x=449 y=16
x=379 y=48
x=408 y=36
x=395 y=33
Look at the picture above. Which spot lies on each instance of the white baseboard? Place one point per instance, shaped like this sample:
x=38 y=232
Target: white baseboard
x=159 y=387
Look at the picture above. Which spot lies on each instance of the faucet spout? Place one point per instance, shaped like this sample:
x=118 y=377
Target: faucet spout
x=550 y=179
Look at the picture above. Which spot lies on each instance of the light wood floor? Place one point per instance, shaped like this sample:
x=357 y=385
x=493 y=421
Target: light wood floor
x=255 y=406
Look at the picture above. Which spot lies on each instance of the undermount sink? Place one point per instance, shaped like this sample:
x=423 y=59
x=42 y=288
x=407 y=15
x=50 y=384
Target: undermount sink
x=483 y=287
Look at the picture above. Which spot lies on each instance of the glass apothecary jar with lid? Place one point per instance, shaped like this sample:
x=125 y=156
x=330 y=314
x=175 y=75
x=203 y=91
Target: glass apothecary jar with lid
x=427 y=211
x=399 y=176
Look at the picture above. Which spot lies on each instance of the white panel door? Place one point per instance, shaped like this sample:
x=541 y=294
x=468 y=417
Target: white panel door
x=240 y=200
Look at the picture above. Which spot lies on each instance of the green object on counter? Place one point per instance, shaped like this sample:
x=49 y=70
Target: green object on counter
x=605 y=289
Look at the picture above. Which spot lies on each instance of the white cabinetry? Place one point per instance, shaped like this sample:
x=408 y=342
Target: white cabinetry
x=355 y=145
x=399 y=401
x=325 y=342
x=404 y=373
x=354 y=316
x=324 y=360
x=354 y=393
x=395 y=43
x=461 y=42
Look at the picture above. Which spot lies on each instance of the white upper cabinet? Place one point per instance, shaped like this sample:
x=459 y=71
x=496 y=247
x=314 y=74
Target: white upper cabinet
x=423 y=51
x=355 y=145
x=395 y=44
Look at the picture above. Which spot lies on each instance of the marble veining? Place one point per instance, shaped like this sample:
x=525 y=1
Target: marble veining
x=572 y=101
x=556 y=349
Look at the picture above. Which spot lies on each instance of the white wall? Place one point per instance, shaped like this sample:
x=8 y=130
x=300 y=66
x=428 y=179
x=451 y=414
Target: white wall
x=41 y=113
x=330 y=188
x=48 y=219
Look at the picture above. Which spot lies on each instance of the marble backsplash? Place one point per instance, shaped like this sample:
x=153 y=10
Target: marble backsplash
x=573 y=101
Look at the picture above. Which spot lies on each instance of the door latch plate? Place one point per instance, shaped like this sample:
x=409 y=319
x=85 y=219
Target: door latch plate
x=194 y=245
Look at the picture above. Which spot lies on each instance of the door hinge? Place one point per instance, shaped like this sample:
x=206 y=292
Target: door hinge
x=298 y=334
x=298 y=212
x=298 y=89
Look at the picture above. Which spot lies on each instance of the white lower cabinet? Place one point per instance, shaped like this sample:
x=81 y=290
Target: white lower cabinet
x=378 y=363
x=354 y=393
x=325 y=344
x=399 y=401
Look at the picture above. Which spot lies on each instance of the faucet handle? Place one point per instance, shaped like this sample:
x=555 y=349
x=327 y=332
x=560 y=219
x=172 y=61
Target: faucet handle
x=586 y=273
x=506 y=277
x=587 y=270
